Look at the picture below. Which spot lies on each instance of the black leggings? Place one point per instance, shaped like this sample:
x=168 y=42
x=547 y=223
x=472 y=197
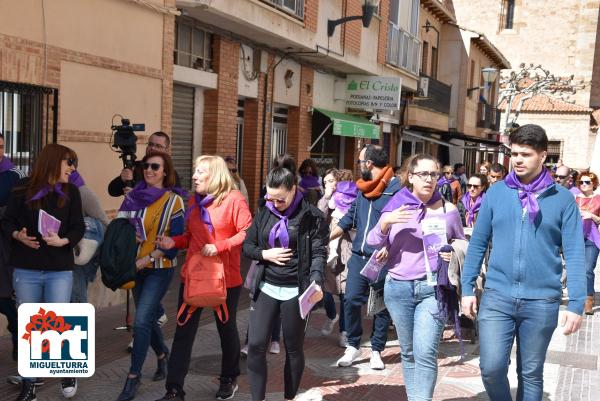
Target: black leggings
x=183 y=342
x=265 y=313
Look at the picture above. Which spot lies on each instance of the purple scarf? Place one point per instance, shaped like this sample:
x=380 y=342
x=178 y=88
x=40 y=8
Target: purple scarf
x=202 y=201
x=5 y=165
x=447 y=297
x=280 y=230
x=345 y=193
x=310 y=182
x=471 y=209
x=141 y=196
x=443 y=181
x=590 y=232
x=76 y=179
x=405 y=197
x=46 y=190
x=527 y=191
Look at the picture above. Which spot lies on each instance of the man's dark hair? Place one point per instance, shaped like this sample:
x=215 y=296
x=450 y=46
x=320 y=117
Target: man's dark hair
x=163 y=135
x=531 y=135
x=498 y=168
x=457 y=166
x=281 y=176
x=377 y=155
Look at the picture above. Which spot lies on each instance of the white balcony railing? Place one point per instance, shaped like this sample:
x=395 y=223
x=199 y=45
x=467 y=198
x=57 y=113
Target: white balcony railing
x=293 y=7
x=403 y=49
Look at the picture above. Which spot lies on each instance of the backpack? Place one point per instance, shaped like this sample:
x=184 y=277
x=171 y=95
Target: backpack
x=203 y=286
x=118 y=254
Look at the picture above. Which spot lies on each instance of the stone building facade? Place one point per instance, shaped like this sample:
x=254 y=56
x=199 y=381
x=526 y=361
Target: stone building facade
x=564 y=40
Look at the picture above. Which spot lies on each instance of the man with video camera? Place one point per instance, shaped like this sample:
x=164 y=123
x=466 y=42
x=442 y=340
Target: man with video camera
x=121 y=185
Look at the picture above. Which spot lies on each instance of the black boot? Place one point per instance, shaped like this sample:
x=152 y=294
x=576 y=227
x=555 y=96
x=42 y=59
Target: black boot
x=27 y=391
x=161 y=368
x=131 y=387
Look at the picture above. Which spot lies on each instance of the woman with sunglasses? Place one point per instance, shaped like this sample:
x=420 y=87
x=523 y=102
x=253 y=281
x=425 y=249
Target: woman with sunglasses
x=589 y=206
x=43 y=265
x=288 y=238
x=217 y=220
x=413 y=216
x=158 y=208
x=472 y=200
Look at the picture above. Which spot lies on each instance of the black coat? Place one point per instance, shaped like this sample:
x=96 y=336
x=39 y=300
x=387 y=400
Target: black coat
x=313 y=237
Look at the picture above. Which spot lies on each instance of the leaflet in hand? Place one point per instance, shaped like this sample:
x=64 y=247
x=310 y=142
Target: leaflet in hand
x=304 y=300
x=140 y=231
x=373 y=268
x=47 y=223
x=434 y=237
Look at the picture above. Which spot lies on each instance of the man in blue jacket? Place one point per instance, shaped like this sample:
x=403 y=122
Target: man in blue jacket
x=529 y=219
x=377 y=186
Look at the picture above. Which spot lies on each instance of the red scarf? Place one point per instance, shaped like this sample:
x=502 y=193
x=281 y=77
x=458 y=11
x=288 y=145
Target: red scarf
x=374 y=188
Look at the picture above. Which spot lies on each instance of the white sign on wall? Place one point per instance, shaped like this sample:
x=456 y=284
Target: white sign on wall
x=372 y=92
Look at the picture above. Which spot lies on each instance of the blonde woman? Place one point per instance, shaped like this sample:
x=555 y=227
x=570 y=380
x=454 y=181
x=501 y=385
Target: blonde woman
x=217 y=220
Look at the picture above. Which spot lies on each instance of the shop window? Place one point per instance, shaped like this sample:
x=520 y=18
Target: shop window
x=193 y=46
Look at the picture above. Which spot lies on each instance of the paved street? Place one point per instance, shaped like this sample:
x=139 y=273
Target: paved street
x=571 y=372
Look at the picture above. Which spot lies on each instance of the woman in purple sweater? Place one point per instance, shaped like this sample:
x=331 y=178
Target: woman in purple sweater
x=415 y=219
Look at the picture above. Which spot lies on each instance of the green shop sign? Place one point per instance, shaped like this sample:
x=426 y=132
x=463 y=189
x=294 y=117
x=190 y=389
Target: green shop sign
x=373 y=93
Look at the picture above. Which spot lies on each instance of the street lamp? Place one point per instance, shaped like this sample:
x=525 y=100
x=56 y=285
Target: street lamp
x=368 y=9
x=489 y=76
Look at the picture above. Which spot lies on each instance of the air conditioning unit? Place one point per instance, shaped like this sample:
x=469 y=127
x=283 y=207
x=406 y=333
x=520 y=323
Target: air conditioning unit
x=423 y=86
x=451 y=122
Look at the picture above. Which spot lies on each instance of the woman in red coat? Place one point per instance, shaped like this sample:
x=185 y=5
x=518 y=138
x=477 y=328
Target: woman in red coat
x=217 y=221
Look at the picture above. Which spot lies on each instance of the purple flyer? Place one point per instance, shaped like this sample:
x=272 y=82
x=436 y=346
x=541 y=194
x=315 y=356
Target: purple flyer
x=432 y=244
x=304 y=300
x=372 y=268
x=47 y=223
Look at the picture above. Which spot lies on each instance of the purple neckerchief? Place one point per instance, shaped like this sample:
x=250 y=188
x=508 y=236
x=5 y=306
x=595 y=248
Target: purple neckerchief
x=405 y=197
x=280 y=230
x=590 y=232
x=5 y=164
x=443 y=181
x=141 y=196
x=527 y=192
x=76 y=179
x=202 y=201
x=447 y=298
x=310 y=182
x=46 y=190
x=471 y=209
x=345 y=193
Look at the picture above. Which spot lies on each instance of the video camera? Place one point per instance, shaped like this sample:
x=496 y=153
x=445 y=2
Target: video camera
x=125 y=139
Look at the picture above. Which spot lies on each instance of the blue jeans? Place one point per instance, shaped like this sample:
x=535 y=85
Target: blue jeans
x=501 y=320
x=150 y=287
x=591 y=257
x=357 y=294
x=42 y=286
x=414 y=310
x=330 y=311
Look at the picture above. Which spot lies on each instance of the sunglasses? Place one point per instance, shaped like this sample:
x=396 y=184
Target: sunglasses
x=359 y=162
x=473 y=186
x=233 y=170
x=71 y=162
x=153 y=166
x=561 y=177
x=274 y=200
x=585 y=182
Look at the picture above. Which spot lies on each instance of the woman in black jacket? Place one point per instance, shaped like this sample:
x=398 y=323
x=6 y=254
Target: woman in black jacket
x=288 y=238
x=43 y=264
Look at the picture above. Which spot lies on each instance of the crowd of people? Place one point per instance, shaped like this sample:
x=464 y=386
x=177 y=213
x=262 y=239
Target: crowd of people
x=519 y=233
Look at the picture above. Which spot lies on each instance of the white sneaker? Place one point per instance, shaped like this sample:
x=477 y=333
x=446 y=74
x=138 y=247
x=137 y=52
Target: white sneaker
x=274 y=348
x=343 y=339
x=244 y=350
x=69 y=387
x=130 y=346
x=162 y=320
x=350 y=356
x=376 y=362
x=328 y=326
